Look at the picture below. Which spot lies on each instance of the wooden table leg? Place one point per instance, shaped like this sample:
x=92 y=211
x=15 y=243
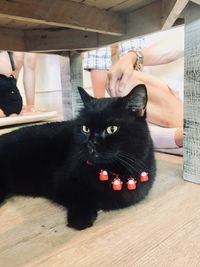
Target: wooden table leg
x=76 y=73
x=71 y=78
x=66 y=88
x=192 y=94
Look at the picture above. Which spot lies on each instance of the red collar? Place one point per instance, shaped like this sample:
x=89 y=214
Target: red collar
x=117 y=182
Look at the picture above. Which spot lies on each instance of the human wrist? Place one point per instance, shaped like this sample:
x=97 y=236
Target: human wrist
x=131 y=55
x=139 y=58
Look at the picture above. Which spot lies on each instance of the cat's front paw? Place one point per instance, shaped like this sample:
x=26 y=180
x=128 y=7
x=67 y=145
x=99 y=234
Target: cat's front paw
x=80 y=219
x=80 y=225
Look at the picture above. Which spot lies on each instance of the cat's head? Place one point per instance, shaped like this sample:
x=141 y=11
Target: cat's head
x=112 y=127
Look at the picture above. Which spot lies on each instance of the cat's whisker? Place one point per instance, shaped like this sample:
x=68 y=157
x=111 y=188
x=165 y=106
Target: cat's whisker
x=133 y=166
x=133 y=162
x=133 y=159
x=128 y=165
x=123 y=163
x=115 y=163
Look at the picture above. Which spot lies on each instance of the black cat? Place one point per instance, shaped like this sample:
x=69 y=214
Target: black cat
x=62 y=161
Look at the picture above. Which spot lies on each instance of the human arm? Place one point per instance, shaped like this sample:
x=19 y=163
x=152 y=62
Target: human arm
x=121 y=73
x=29 y=80
x=98 y=79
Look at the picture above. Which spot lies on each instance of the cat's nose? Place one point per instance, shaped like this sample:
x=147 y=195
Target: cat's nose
x=93 y=143
x=92 y=148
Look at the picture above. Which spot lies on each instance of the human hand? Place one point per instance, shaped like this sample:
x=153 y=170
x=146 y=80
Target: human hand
x=120 y=77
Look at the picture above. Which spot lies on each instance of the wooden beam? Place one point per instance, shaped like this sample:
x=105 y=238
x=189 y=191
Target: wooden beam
x=59 y=40
x=12 y=40
x=144 y=20
x=64 y=13
x=171 y=10
x=139 y=22
x=196 y=2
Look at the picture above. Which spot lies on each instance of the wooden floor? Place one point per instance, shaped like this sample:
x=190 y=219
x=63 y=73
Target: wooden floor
x=163 y=230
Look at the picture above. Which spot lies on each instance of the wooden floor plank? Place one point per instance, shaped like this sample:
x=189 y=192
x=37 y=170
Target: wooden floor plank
x=152 y=233
x=179 y=249
x=127 y=236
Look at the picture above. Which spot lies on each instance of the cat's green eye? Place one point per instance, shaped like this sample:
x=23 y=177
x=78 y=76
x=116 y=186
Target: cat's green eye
x=85 y=129
x=112 y=129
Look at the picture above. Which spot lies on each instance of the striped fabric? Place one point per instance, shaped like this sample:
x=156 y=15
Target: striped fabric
x=101 y=58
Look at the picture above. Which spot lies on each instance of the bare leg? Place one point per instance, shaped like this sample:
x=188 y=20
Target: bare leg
x=98 y=78
x=163 y=107
x=29 y=80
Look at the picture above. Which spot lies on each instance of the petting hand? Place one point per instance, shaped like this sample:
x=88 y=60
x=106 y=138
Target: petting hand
x=120 y=76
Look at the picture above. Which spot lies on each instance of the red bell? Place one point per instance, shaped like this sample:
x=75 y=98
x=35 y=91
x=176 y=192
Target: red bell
x=144 y=177
x=117 y=184
x=103 y=175
x=131 y=184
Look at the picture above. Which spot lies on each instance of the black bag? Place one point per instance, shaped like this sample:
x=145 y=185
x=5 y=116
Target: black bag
x=10 y=98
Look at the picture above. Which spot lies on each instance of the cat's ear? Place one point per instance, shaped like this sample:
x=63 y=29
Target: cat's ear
x=86 y=98
x=136 y=100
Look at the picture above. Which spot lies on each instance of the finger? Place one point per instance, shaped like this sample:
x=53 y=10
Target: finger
x=125 y=84
x=112 y=83
x=117 y=89
x=112 y=86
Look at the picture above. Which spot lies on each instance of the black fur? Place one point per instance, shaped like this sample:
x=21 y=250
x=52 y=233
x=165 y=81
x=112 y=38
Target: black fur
x=50 y=160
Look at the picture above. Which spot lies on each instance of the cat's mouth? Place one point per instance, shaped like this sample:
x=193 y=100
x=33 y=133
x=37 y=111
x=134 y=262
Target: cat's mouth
x=97 y=158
